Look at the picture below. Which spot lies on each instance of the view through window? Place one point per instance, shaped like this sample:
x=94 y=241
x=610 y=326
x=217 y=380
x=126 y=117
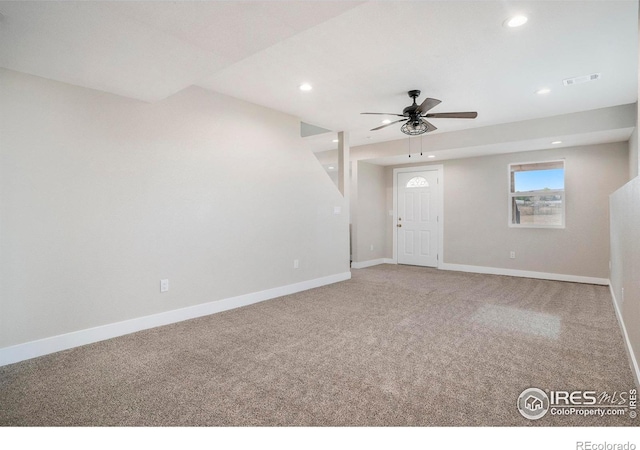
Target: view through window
x=536 y=197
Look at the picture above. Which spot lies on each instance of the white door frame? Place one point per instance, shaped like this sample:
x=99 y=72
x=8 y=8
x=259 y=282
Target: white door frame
x=440 y=169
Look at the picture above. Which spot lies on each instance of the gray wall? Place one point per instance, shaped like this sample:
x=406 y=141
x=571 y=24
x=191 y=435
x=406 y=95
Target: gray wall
x=476 y=230
x=370 y=215
x=103 y=196
x=476 y=218
x=634 y=162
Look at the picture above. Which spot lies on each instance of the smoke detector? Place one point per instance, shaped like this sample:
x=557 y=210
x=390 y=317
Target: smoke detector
x=582 y=79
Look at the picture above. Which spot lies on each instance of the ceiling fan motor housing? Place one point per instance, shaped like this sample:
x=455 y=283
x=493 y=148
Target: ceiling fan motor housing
x=410 y=111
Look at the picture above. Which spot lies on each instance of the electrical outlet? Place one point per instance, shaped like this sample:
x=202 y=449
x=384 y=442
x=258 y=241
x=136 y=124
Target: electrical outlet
x=164 y=285
x=296 y=263
x=512 y=255
x=371 y=248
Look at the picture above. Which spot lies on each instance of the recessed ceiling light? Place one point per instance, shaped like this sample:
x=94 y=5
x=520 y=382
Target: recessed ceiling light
x=335 y=140
x=305 y=87
x=543 y=91
x=515 y=21
x=386 y=121
x=331 y=167
x=556 y=142
x=431 y=156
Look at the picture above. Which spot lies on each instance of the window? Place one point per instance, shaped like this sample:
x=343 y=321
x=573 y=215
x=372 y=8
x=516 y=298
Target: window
x=536 y=196
x=417 y=182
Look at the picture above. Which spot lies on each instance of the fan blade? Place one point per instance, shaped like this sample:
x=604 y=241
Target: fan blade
x=430 y=126
x=384 y=114
x=387 y=124
x=427 y=104
x=453 y=115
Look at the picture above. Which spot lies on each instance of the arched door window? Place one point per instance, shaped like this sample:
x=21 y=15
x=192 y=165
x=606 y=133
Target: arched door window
x=417 y=182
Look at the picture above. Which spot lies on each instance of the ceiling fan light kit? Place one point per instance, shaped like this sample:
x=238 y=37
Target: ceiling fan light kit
x=414 y=116
x=414 y=129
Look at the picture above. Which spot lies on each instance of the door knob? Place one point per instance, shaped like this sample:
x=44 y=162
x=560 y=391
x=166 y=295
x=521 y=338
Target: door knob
x=399 y=225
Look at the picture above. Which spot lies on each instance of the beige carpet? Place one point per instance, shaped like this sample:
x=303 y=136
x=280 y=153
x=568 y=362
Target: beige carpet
x=396 y=346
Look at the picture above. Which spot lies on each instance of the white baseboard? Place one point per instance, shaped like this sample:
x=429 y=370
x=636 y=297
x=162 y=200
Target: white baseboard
x=524 y=274
x=632 y=355
x=363 y=264
x=372 y=262
x=33 y=349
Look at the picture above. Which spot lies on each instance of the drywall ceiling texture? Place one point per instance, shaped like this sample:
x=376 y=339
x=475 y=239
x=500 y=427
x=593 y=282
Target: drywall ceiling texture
x=146 y=50
x=359 y=56
x=457 y=52
x=103 y=196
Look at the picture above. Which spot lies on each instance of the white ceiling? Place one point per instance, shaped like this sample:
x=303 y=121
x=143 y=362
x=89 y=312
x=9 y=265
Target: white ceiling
x=359 y=56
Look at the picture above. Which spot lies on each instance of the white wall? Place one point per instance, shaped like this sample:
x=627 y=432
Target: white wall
x=625 y=262
x=103 y=196
x=476 y=230
x=625 y=248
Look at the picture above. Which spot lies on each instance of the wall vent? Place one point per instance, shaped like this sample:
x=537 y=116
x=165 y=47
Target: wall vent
x=582 y=79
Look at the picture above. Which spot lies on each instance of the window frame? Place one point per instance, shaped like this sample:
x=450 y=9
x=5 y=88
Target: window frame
x=561 y=192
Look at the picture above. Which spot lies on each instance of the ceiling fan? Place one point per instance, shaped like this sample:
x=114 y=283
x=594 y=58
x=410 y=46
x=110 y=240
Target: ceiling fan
x=414 y=116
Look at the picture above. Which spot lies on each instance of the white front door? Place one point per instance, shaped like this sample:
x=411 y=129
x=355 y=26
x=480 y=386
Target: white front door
x=417 y=224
